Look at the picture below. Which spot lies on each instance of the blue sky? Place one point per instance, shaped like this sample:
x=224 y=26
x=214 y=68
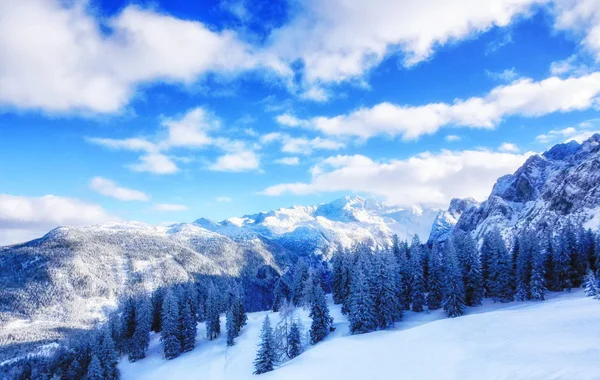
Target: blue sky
x=169 y=111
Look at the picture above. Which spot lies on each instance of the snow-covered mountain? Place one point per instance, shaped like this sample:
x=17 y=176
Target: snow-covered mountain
x=548 y=191
x=73 y=276
x=444 y=222
x=320 y=228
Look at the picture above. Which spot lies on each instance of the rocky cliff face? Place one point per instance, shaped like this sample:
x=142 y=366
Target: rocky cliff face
x=444 y=223
x=559 y=186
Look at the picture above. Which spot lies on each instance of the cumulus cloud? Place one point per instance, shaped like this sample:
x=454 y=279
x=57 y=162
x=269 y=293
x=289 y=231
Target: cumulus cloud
x=507 y=75
x=110 y=189
x=24 y=218
x=291 y=161
x=581 y=17
x=236 y=162
x=339 y=40
x=452 y=138
x=579 y=133
x=195 y=129
x=52 y=52
x=523 y=97
x=508 y=147
x=170 y=207
x=429 y=179
x=301 y=145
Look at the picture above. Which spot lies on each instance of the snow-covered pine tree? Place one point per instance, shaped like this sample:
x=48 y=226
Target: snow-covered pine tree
x=187 y=324
x=281 y=293
x=538 y=281
x=157 y=297
x=485 y=258
x=399 y=250
x=417 y=283
x=387 y=306
x=143 y=322
x=361 y=306
x=106 y=352
x=213 y=326
x=548 y=246
x=454 y=296
x=597 y=253
x=528 y=247
x=75 y=371
x=570 y=246
x=294 y=341
x=434 y=282
x=500 y=271
x=127 y=322
x=319 y=313
x=239 y=312
x=591 y=285
x=169 y=334
x=265 y=358
x=471 y=268
x=231 y=328
x=340 y=280
x=300 y=276
x=94 y=371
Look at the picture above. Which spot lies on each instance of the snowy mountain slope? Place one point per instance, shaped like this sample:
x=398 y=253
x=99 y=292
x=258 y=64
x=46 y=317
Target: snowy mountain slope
x=548 y=191
x=522 y=340
x=72 y=277
x=446 y=220
x=320 y=228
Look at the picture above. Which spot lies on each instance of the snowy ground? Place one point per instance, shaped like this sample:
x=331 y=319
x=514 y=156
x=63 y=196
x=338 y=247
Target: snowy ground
x=555 y=339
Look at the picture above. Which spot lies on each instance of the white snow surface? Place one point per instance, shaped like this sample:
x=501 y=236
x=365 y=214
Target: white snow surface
x=555 y=339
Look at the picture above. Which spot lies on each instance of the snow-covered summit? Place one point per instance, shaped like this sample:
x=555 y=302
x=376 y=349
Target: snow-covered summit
x=548 y=191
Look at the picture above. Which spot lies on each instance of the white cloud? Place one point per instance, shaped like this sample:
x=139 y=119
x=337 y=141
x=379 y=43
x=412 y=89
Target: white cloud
x=110 y=189
x=289 y=120
x=291 y=161
x=507 y=75
x=452 y=138
x=24 y=218
x=581 y=17
x=339 y=40
x=523 y=97
x=425 y=179
x=56 y=58
x=236 y=162
x=223 y=199
x=579 y=133
x=193 y=130
x=508 y=147
x=301 y=145
x=170 y=207
x=156 y=163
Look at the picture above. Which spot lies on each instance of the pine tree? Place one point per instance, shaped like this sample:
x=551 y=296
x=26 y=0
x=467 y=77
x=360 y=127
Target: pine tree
x=213 y=325
x=538 y=281
x=434 y=281
x=143 y=322
x=388 y=309
x=106 y=352
x=94 y=371
x=549 y=248
x=591 y=285
x=294 y=342
x=300 y=276
x=454 y=301
x=187 y=324
x=319 y=313
x=169 y=334
x=265 y=358
x=231 y=328
x=417 y=284
x=500 y=270
x=471 y=268
x=399 y=250
x=75 y=370
x=361 y=305
x=239 y=312
x=341 y=276
x=485 y=257
x=157 y=298
x=281 y=294
x=528 y=247
x=127 y=322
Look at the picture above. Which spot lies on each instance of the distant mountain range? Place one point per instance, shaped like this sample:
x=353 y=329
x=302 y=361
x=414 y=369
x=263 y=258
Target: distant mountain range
x=71 y=277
